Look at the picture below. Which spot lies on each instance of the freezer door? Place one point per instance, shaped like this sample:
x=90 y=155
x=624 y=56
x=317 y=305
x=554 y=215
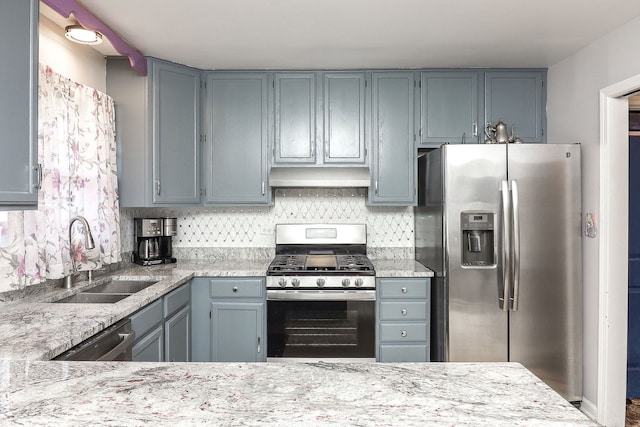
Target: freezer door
x=476 y=325
x=546 y=329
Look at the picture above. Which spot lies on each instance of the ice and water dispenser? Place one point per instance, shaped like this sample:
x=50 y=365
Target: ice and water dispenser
x=477 y=238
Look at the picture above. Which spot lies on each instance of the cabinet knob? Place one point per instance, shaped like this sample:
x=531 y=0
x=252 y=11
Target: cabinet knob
x=403 y=333
x=235 y=289
x=404 y=311
x=404 y=290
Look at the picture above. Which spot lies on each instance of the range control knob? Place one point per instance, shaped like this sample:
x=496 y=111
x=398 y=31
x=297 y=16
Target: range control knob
x=345 y=283
x=358 y=282
x=295 y=282
x=282 y=282
x=320 y=283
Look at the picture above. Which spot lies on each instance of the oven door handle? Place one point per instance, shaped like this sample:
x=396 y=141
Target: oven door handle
x=321 y=295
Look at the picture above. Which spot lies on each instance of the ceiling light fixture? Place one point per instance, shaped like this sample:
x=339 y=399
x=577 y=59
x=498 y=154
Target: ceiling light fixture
x=79 y=34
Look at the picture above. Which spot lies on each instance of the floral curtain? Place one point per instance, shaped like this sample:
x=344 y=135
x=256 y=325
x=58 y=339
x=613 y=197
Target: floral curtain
x=76 y=147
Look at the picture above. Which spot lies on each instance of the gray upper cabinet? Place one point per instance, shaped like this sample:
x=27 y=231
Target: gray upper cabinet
x=19 y=172
x=344 y=121
x=175 y=103
x=295 y=118
x=449 y=108
x=394 y=160
x=236 y=142
x=158 y=133
x=319 y=118
x=517 y=98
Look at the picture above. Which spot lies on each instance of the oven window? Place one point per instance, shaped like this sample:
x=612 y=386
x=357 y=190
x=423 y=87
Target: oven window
x=329 y=329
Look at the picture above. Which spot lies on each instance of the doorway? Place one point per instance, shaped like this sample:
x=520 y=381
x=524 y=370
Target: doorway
x=633 y=324
x=613 y=250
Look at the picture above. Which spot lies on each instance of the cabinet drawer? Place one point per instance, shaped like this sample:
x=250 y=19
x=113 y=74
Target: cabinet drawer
x=147 y=318
x=404 y=288
x=176 y=299
x=403 y=332
x=404 y=353
x=403 y=310
x=236 y=288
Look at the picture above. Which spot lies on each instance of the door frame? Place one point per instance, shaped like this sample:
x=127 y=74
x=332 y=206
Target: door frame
x=613 y=251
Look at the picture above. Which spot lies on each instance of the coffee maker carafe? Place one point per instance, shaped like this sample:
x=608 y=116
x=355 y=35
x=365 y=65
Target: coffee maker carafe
x=152 y=240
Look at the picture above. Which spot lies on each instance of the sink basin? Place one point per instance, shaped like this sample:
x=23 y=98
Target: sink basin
x=108 y=293
x=121 y=287
x=89 y=298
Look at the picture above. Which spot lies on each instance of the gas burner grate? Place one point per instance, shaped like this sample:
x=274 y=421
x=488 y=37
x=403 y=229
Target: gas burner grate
x=354 y=262
x=288 y=263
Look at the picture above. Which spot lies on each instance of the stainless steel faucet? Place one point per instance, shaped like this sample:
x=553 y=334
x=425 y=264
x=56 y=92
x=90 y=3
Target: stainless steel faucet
x=88 y=244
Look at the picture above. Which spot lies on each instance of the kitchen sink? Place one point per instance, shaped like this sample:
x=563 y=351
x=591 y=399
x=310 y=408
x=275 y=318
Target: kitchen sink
x=109 y=293
x=89 y=298
x=122 y=286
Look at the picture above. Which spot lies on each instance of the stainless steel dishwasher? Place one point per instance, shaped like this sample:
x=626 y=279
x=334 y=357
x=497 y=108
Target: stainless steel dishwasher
x=113 y=343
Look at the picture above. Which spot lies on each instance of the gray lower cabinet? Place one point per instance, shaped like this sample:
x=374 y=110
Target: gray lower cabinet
x=147 y=324
x=19 y=170
x=449 y=108
x=319 y=118
x=403 y=312
x=229 y=320
x=163 y=328
x=517 y=97
x=177 y=340
x=394 y=159
x=157 y=132
x=235 y=160
x=150 y=347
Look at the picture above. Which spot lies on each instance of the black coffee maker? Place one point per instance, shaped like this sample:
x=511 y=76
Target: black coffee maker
x=153 y=240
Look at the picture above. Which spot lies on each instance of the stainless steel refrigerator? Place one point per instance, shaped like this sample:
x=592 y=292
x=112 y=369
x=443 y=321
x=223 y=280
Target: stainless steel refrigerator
x=500 y=224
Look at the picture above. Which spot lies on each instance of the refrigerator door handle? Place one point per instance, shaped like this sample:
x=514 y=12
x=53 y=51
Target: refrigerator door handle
x=516 y=243
x=503 y=300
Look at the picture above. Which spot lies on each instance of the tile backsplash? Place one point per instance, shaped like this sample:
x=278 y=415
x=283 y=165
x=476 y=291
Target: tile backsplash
x=390 y=230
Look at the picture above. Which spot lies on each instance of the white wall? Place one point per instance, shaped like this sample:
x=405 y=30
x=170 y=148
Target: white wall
x=79 y=63
x=573 y=91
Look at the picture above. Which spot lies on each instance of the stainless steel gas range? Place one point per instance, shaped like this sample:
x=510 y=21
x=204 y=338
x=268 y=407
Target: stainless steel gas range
x=321 y=294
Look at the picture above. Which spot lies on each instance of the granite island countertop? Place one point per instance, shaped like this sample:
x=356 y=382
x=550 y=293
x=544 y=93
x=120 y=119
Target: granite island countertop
x=34 y=328
x=279 y=394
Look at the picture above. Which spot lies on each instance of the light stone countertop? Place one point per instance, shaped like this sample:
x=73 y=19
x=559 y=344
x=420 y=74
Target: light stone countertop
x=400 y=268
x=278 y=394
x=34 y=328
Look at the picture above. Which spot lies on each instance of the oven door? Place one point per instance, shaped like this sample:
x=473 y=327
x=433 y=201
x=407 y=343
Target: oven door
x=322 y=324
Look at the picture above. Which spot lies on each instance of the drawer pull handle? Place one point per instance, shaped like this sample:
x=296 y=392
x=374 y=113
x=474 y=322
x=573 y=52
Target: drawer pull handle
x=404 y=311
x=404 y=290
x=235 y=289
x=403 y=333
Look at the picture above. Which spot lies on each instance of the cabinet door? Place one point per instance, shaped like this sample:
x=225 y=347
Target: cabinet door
x=394 y=160
x=177 y=337
x=517 y=98
x=236 y=138
x=449 y=107
x=295 y=118
x=201 y=320
x=19 y=104
x=237 y=332
x=149 y=348
x=175 y=100
x=344 y=101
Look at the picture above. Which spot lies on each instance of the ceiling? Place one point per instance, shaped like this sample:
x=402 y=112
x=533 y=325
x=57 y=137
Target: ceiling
x=346 y=34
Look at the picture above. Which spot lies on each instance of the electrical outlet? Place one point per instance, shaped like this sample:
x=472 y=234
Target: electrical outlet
x=267 y=231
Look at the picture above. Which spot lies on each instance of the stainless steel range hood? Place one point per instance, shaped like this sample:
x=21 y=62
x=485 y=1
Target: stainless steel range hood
x=319 y=177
